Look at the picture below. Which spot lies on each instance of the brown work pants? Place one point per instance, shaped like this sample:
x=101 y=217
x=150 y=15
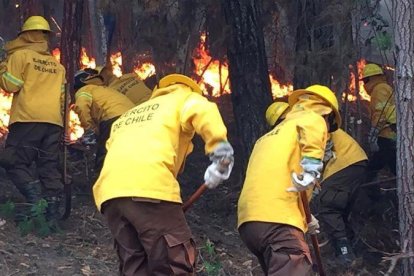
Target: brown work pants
x=281 y=249
x=150 y=238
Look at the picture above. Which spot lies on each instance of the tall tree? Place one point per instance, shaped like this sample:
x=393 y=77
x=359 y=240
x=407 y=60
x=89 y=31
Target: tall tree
x=71 y=37
x=404 y=42
x=248 y=71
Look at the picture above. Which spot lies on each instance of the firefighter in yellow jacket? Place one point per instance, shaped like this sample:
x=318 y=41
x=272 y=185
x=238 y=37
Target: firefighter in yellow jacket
x=98 y=107
x=128 y=84
x=382 y=136
x=36 y=80
x=345 y=168
x=138 y=191
x=271 y=218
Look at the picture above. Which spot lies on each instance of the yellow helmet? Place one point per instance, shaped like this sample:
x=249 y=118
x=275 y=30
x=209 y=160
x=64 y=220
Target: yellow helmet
x=371 y=70
x=275 y=111
x=178 y=78
x=322 y=91
x=34 y=23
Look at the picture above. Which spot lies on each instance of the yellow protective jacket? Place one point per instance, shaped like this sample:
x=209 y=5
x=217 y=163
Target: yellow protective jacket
x=382 y=106
x=36 y=80
x=275 y=156
x=347 y=151
x=95 y=104
x=132 y=87
x=149 y=143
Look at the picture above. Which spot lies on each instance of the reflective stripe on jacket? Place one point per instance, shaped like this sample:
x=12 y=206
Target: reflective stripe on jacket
x=37 y=83
x=149 y=143
x=95 y=104
x=382 y=106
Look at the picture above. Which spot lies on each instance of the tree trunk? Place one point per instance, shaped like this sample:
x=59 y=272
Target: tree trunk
x=71 y=38
x=404 y=43
x=248 y=71
x=98 y=37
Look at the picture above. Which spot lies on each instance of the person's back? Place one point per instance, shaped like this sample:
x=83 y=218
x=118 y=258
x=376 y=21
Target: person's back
x=132 y=87
x=36 y=80
x=164 y=141
x=275 y=156
x=347 y=151
x=96 y=104
x=137 y=190
x=39 y=80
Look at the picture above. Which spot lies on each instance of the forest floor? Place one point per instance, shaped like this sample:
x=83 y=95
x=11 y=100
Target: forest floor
x=84 y=245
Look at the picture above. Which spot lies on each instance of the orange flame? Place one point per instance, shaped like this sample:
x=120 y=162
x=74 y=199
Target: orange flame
x=86 y=61
x=56 y=53
x=362 y=92
x=75 y=129
x=116 y=61
x=146 y=70
x=213 y=73
x=279 y=90
x=210 y=71
x=5 y=105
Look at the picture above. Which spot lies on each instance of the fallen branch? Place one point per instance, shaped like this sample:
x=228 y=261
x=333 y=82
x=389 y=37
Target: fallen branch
x=394 y=260
x=390 y=179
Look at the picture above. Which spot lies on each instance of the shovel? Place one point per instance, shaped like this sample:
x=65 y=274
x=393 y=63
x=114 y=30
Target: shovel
x=197 y=194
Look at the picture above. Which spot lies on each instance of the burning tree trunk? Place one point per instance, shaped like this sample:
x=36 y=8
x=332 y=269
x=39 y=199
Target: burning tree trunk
x=71 y=37
x=248 y=71
x=404 y=42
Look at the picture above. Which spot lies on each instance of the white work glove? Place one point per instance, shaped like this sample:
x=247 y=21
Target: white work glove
x=373 y=139
x=216 y=173
x=313 y=226
x=311 y=173
x=329 y=153
x=223 y=151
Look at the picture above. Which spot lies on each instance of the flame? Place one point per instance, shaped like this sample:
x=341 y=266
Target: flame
x=362 y=92
x=86 y=61
x=144 y=71
x=279 y=90
x=5 y=105
x=213 y=74
x=56 y=53
x=116 y=61
x=210 y=70
x=75 y=129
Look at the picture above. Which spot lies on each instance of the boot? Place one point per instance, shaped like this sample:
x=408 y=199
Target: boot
x=52 y=212
x=344 y=252
x=32 y=192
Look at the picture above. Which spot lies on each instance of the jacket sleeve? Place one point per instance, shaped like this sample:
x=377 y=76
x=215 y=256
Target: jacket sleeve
x=382 y=107
x=83 y=109
x=203 y=117
x=11 y=76
x=312 y=136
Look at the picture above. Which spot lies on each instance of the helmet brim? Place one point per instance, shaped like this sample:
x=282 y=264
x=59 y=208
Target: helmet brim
x=294 y=98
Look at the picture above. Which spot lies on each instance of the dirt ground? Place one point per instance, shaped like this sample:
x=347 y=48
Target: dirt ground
x=84 y=245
